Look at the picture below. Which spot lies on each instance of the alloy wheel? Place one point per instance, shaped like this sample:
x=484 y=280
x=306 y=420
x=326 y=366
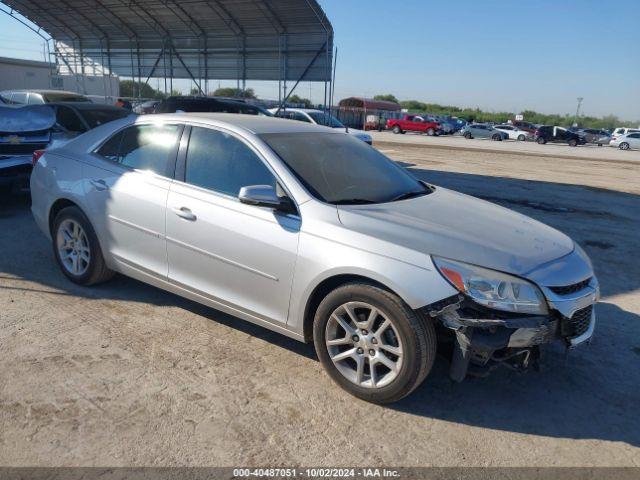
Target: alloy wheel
x=364 y=345
x=73 y=247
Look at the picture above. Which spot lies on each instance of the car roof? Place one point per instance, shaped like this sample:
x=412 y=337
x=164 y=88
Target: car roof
x=45 y=91
x=251 y=123
x=304 y=110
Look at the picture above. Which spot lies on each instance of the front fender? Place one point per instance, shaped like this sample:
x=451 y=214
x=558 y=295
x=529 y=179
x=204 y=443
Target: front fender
x=320 y=259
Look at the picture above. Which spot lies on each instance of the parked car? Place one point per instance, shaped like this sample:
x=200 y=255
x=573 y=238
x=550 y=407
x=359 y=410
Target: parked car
x=146 y=107
x=208 y=104
x=318 y=117
x=594 y=136
x=626 y=142
x=514 y=133
x=624 y=130
x=551 y=134
x=412 y=123
x=311 y=233
x=38 y=97
x=27 y=131
x=528 y=127
x=483 y=130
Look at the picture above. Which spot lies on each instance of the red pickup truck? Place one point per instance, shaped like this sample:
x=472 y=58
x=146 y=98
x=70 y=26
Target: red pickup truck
x=412 y=123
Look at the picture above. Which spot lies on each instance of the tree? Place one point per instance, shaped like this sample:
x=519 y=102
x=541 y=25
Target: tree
x=235 y=92
x=388 y=97
x=194 y=91
x=295 y=99
x=129 y=88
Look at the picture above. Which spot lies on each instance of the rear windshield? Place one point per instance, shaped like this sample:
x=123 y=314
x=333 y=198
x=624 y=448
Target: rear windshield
x=64 y=97
x=98 y=117
x=338 y=168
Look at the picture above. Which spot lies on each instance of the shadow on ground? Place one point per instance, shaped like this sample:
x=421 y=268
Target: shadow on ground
x=592 y=394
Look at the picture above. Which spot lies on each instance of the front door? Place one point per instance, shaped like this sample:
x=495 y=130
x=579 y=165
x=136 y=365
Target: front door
x=126 y=184
x=239 y=256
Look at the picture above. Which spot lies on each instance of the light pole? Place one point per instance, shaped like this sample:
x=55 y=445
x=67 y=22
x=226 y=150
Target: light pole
x=580 y=99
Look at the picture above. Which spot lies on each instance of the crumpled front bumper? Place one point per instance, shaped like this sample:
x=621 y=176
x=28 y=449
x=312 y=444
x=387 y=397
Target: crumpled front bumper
x=485 y=339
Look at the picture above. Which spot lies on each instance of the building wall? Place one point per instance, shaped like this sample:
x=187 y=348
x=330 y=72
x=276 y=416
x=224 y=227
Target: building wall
x=29 y=74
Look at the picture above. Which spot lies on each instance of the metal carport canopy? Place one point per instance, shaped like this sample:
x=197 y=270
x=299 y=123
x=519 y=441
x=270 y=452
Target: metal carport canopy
x=198 y=39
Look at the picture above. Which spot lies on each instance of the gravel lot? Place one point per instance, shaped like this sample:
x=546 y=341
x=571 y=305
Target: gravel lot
x=125 y=374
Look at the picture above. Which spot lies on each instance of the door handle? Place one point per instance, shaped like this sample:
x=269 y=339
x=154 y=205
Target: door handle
x=99 y=185
x=185 y=213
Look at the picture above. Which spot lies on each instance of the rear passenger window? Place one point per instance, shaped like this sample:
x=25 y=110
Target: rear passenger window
x=19 y=97
x=222 y=163
x=143 y=147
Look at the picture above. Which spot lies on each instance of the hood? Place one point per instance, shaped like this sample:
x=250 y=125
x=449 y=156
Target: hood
x=353 y=131
x=456 y=226
x=30 y=118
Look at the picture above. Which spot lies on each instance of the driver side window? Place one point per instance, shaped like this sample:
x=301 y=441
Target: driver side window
x=220 y=162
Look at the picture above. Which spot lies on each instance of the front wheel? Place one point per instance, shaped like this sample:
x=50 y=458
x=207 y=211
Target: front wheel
x=573 y=142
x=624 y=146
x=467 y=135
x=496 y=138
x=372 y=344
x=521 y=138
x=431 y=132
x=397 y=129
x=76 y=248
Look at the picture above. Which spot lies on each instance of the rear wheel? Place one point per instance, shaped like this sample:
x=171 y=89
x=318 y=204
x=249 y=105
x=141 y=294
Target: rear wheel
x=521 y=138
x=397 y=129
x=624 y=146
x=76 y=248
x=467 y=135
x=541 y=141
x=372 y=344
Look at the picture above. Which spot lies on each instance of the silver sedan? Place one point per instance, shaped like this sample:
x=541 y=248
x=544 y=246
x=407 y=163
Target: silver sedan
x=316 y=235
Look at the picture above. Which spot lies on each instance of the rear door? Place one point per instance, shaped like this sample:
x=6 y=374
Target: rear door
x=239 y=256
x=127 y=183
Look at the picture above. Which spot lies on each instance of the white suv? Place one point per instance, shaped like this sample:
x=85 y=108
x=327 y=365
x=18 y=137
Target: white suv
x=318 y=117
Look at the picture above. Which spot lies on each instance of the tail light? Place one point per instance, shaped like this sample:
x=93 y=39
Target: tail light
x=36 y=156
x=537 y=132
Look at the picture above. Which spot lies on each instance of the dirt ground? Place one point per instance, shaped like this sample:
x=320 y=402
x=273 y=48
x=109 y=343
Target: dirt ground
x=124 y=374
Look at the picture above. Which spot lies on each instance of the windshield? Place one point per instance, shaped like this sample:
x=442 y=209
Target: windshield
x=325 y=120
x=64 y=97
x=341 y=169
x=98 y=117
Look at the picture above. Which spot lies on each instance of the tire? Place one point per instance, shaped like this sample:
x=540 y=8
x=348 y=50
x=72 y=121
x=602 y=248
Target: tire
x=91 y=267
x=521 y=138
x=624 y=146
x=467 y=135
x=573 y=142
x=600 y=144
x=413 y=335
x=431 y=132
x=496 y=138
x=396 y=129
x=541 y=141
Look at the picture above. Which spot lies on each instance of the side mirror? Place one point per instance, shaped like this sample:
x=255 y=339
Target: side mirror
x=260 y=195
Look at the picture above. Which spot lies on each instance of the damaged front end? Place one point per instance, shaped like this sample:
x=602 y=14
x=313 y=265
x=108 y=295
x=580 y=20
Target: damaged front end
x=484 y=338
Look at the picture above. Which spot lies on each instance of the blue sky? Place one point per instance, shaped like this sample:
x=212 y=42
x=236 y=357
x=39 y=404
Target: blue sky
x=493 y=54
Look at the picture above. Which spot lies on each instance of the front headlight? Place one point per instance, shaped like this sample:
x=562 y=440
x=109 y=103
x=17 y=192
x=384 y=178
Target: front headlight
x=493 y=289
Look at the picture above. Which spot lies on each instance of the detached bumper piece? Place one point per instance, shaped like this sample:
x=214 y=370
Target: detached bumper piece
x=485 y=339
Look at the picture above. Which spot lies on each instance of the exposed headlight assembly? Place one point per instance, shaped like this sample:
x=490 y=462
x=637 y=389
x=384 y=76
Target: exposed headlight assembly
x=493 y=289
